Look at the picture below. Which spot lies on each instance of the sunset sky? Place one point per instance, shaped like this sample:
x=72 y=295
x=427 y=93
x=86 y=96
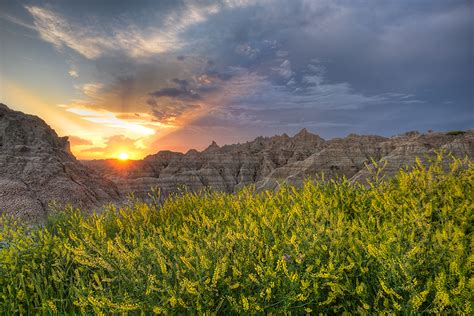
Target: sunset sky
x=142 y=76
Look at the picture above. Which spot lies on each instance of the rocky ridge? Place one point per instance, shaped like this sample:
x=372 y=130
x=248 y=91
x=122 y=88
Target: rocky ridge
x=268 y=161
x=37 y=167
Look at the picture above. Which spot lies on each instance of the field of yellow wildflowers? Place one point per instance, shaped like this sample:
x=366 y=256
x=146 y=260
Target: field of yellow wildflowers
x=402 y=245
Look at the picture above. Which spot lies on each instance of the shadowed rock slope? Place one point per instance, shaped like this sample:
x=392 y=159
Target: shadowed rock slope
x=37 y=167
x=267 y=161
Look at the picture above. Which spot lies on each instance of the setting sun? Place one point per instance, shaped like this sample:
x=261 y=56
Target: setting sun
x=123 y=156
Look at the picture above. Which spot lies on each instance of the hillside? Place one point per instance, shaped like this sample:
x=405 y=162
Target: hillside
x=37 y=167
x=398 y=246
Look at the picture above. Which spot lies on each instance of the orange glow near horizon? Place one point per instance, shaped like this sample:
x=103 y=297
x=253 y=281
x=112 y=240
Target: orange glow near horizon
x=96 y=132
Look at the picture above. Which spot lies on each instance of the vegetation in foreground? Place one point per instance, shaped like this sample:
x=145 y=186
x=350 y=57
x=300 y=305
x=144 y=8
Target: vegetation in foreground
x=402 y=245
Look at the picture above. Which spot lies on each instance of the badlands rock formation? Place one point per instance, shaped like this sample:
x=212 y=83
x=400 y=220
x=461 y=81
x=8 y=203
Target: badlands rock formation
x=267 y=161
x=37 y=167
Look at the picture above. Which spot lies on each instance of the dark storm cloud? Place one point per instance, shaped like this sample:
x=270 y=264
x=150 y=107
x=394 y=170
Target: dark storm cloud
x=182 y=90
x=370 y=45
x=172 y=111
x=177 y=100
x=166 y=111
x=400 y=58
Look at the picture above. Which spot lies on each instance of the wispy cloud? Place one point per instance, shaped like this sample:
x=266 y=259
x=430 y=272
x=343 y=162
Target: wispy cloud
x=124 y=36
x=133 y=124
x=92 y=90
x=56 y=30
x=17 y=21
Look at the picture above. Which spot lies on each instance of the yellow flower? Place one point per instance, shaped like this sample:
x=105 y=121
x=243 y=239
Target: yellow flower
x=52 y=306
x=245 y=303
x=158 y=310
x=173 y=301
x=235 y=285
x=360 y=288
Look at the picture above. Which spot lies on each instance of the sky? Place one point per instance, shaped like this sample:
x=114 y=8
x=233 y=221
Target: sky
x=143 y=76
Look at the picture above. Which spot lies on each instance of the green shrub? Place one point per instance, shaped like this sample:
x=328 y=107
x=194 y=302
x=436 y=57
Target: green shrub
x=455 y=133
x=401 y=245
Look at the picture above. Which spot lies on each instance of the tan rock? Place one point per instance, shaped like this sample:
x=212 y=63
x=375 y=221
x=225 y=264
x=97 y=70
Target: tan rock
x=37 y=167
x=269 y=161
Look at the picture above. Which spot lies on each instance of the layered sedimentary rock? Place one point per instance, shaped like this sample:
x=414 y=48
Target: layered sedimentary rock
x=405 y=149
x=37 y=167
x=268 y=161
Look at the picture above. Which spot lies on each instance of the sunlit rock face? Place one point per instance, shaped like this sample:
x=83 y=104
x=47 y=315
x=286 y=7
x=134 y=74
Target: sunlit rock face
x=37 y=167
x=268 y=161
x=225 y=168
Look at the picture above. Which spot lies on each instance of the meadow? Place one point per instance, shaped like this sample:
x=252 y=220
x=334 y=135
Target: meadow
x=401 y=245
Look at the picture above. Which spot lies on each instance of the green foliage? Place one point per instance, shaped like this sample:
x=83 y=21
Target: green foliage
x=396 y=246
x=455 y=133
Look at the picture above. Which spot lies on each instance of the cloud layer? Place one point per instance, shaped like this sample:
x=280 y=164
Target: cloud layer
x=96 y=39
x=231 y=70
